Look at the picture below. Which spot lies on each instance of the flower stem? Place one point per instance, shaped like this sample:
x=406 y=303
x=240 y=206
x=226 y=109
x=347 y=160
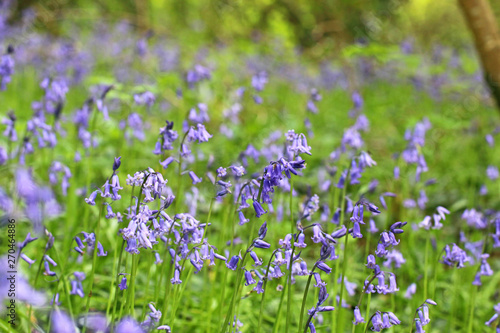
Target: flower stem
x=117 y=283
x=264 y=292
x=278 y=314
x=344 y=262
x=233 y=299
x=426 y=261
x=289 y=276
x=150 y=264
x=472 y=303
x=304 y=298
x=131 y=295
x=94 y=264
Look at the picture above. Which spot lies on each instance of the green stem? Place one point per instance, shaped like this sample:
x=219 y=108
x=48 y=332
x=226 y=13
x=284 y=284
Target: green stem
x=264 y=292
x=34 y=283
x=94 y=265
x=426 y=261
x=65 y=285
x=290 y=264
x=131 y=295
x=368 y=305
x=150 y=264
x=117 y=283
x=344 y=262
x=304 y=298
x=278 y=314
x=473 y=292
x=233 y=299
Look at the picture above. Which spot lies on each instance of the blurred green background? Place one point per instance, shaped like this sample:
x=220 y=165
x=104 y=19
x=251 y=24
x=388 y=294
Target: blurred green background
x=317 y=27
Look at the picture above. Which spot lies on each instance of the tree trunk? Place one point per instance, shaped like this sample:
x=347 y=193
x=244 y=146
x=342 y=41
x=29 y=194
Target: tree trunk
x=482 y=23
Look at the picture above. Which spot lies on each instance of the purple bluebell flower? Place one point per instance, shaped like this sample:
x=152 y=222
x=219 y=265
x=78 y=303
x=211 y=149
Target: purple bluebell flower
x=358 y=318
x=324 y=267
x=61 y=322
x=263 y=231
x=238 y=171
x=356 y=231
x=100 y=250
x=485 y=268
x=27 y=259
x=221 y=172
x=411 y=290
x=492 y=172
x=340 y=232
x=128 y=325
x=28 y=238
x=300 y=241
x=455 y=256
x=258 y=288
x=258 y=209
x=260 y=244
x=249 y=280
x=91 y=199
x=116 y=164
x=176 y=279
x=495 y=316
x=76 y=284
x=167 y=162
x=242 y=218
x=256 y=259
x=277 y=272
x=233 y=263
x=146 y=98
x=194 y=178
x=123 y=283
x=47 y=269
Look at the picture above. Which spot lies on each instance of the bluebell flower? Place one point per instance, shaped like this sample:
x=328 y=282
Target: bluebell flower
x=324 y=267
x=128 y=325
x=411 y=290
x=258 y=208
x=340 y=232
x=167 y=162
x=260 y=244
x=47 y=269
x=419 y=327
x=238 y=171
x=91 y=199
x=123 y=283
x=194 y=178
x=358 y=318
x=233 y=263
x=258 y=288
x=318 y=280
x=356 y=231
x=61 y=322
x=27 y=259
x=277 y=272
x=492 y=172
x=28 y=238
x=176 y=279
x=485 y=268
x=116 y=164
x=76 y=284
x=249 y=280
x=455 y=256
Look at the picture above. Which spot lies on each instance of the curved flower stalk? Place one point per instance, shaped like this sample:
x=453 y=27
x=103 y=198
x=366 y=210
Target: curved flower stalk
x=381 y=320
x=423 y=316
x=236 y=264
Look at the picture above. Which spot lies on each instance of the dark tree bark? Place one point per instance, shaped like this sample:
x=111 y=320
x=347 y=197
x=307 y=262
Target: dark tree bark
x=482 y=23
